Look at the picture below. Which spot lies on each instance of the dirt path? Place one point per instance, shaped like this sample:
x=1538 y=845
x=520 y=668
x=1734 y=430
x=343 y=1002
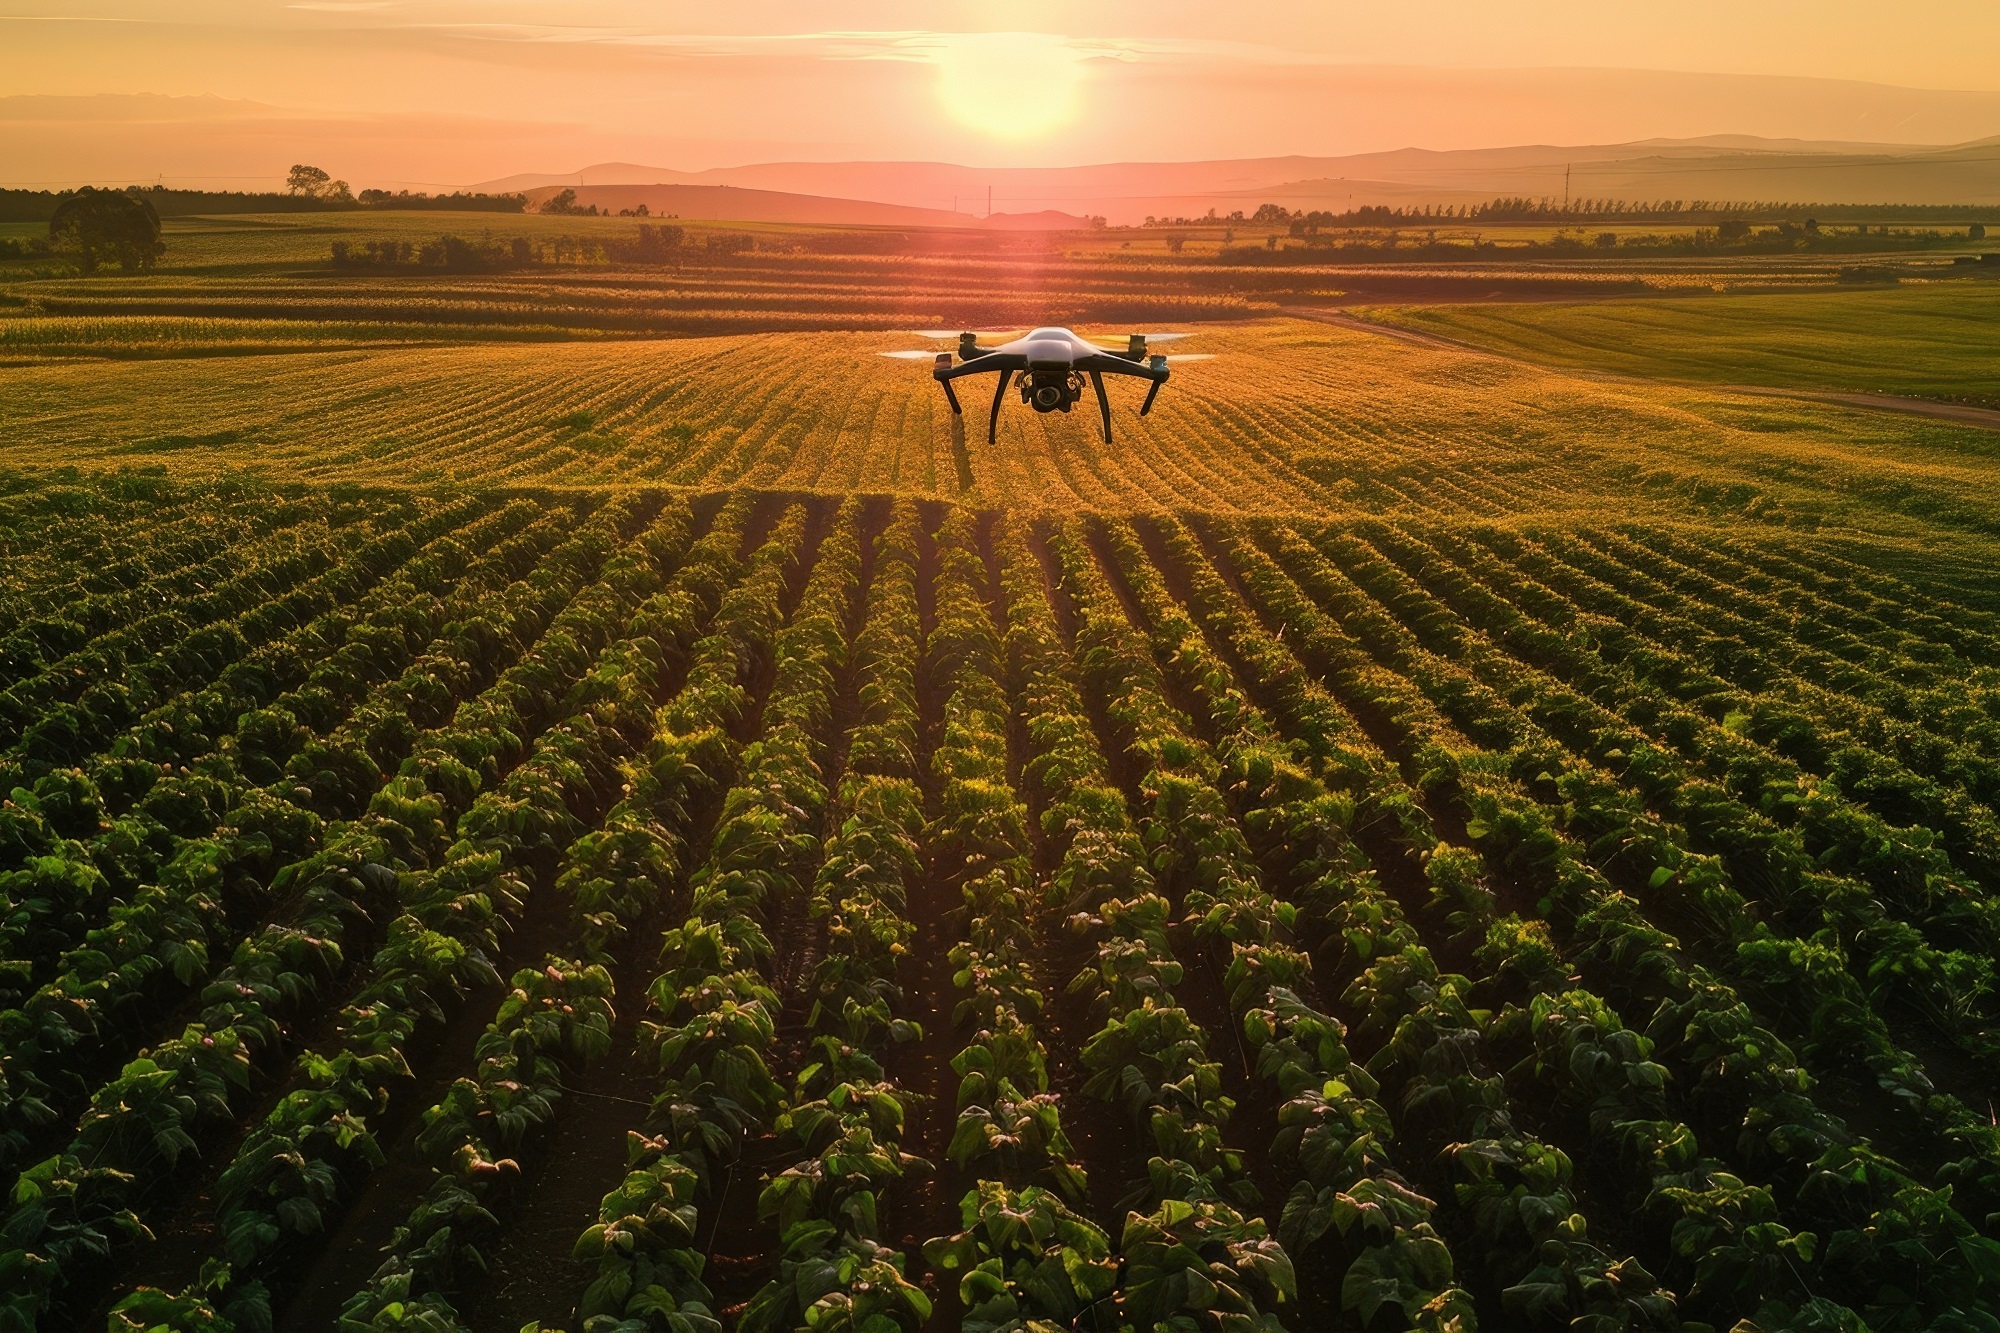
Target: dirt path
x=1963 y=413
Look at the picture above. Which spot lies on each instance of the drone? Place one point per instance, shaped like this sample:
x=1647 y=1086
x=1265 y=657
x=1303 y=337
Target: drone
x=1053 y=365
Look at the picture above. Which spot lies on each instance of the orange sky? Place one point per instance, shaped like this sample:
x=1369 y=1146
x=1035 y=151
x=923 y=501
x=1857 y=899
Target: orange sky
x=435 y=93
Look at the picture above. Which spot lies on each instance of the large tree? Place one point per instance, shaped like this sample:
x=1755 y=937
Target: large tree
x=97 y=226
x=314 y=183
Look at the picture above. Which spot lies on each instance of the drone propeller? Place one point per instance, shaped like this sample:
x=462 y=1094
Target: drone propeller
x=946 y=333
x=917 y=355
x=1186 y=357
x=1149 y=337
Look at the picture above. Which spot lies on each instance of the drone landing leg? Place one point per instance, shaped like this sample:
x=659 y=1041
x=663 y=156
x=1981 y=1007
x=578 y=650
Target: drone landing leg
x=1151 y=394
x=1103 y=403
x=999 y=394
x=951 y=396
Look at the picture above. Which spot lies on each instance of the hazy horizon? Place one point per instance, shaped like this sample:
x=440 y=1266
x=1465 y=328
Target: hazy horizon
x=439 y=94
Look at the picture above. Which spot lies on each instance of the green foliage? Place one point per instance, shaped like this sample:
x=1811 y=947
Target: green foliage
x=107 y=226
x=1024 y=1257
x=1710 y=843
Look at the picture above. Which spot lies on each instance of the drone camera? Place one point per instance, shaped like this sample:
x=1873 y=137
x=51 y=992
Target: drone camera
x=1048 y=398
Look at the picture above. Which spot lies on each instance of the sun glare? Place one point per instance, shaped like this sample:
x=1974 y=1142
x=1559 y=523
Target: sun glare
x=1010 y=85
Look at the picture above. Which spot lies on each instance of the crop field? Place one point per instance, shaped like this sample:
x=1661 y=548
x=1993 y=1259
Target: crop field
x=623 y=833
x=245 y=284
x=1932 y=342
x=1291 y=416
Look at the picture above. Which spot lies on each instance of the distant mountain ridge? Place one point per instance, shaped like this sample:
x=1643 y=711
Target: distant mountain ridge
x=729 y=203
x=1722 y=168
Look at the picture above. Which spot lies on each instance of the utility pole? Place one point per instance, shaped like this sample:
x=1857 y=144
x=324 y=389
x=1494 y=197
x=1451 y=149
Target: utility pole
x=1566 y=171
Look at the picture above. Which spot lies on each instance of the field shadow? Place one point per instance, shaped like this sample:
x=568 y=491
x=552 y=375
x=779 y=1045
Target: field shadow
x=959 y=456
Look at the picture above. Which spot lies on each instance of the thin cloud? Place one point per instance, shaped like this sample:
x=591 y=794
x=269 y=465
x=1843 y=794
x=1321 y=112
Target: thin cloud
x=129 y=108
x=822 y=45
x=912 y=46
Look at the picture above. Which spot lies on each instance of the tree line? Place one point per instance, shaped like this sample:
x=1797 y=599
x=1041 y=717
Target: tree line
x=1521 y=208
x=456 y=254
x=41 y=205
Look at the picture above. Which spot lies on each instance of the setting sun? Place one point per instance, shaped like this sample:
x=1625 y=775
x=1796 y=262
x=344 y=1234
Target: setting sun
x=1010 y=85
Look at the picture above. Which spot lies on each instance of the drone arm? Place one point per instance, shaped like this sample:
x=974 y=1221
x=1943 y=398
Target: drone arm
x=945 y=374
x=1111 y=364
x=1005 y=364
x=999 y=394
x=1103 y=401
x=982 y=365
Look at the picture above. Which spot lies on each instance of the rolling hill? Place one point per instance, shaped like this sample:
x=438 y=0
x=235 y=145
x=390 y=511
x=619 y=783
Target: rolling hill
x=732 y=204
x=1722 y=168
